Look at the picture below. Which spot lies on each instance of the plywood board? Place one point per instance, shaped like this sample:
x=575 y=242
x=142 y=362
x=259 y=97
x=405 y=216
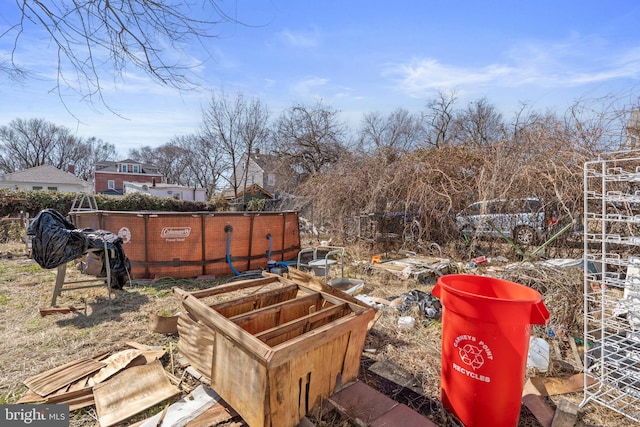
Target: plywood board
x=552 y=386
x=132 y=391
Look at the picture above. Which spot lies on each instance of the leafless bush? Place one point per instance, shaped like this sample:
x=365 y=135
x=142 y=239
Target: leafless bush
x=427 y=186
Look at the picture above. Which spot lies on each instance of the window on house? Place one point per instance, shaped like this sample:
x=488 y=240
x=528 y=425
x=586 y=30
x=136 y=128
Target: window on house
x=136 y=169
x=52 y=188
x=36 y=187
x=111 y=184
x=271 y=179
x=124 y=168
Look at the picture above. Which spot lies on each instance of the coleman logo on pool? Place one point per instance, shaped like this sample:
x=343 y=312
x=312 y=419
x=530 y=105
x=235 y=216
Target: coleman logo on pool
x=175 y=232
x=125 y=234
x=473 y=353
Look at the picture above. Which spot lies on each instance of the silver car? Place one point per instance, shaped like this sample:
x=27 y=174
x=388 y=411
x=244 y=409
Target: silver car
x=522 y=220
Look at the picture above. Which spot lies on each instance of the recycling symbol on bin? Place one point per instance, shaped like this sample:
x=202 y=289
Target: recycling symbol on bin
x=471 y=355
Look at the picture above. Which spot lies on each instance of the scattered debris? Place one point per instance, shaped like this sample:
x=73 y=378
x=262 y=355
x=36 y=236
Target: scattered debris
x=418 y=268
x=428 y=305
x=101 y=381
x=54 y=379
x=131 y=392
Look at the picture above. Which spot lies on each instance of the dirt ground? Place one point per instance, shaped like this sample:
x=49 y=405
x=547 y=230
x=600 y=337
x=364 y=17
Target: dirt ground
x=33 y=343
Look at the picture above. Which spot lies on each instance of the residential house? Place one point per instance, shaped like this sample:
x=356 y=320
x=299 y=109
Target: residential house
x=262 y=179
x=45 y=177
x=179 y=192
x=109 y=177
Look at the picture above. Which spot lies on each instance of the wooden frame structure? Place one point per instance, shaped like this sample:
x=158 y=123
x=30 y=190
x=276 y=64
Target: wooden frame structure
x=277 y=351
x=62 y=285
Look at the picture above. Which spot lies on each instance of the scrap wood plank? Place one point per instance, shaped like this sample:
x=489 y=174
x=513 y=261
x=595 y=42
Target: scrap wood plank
x=76 y=399
x=533 y=400
x=394 y=373
x=115 y=363
x=30 y=397
x=217 y=414
x=125 y=359
x=552 y=386
x=54 y=379
x=132 y=391
x=61 y=310
x=576 y=355
x=137 y=345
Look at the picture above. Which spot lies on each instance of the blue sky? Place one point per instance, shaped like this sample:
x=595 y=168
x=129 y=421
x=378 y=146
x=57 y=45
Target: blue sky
x=359 y=57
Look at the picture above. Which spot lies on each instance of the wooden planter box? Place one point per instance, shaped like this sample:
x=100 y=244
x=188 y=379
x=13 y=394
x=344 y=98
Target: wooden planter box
x=277 y=347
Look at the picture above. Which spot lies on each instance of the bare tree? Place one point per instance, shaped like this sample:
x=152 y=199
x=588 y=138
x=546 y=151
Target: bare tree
x=479 y=125
x=35 y=142
x=123 y=33
x=236 y=126
x=171 y=159
x=93 y=150
x=398 y=131
x=206 y=163
x=438 y=119
x=311 y=138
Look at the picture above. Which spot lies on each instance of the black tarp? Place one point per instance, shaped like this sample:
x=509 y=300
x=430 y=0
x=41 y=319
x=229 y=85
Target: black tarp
x=56 y=241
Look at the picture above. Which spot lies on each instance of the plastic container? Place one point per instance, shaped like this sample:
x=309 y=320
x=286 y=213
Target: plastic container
x=348 y=285
x=486 y=325
x=538 y=356
x=406 y=322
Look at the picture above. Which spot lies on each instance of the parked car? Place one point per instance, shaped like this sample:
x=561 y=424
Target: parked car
x=525 y=220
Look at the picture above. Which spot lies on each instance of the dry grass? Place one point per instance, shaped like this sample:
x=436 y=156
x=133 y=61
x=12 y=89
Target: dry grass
x=33 y=344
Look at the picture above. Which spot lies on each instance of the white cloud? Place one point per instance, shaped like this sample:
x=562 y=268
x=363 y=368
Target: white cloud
x=422 y=76
x=560 y=65
x=304 y=39
x=308 y=88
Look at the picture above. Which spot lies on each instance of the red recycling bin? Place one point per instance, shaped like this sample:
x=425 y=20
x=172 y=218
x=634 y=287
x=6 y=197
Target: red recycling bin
x=486 y=325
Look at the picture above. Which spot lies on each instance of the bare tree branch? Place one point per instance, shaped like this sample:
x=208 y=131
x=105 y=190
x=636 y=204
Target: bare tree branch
x=96 y=37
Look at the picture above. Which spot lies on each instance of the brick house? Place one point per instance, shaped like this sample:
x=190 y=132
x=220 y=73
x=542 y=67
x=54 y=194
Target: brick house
x=109 y=177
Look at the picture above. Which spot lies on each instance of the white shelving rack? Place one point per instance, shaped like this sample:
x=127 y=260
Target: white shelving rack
x=612 y=284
